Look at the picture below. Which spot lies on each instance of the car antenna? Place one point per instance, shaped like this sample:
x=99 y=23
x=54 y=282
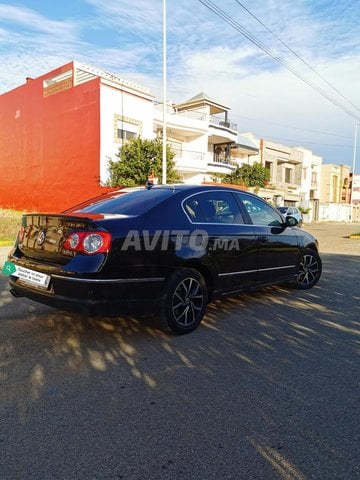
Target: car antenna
x=151 y=180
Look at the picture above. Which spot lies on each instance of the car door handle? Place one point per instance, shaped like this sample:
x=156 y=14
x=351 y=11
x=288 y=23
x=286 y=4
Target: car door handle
x=263 y=239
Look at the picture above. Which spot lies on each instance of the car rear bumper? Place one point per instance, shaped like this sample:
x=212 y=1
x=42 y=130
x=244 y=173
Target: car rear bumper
x=94 y=296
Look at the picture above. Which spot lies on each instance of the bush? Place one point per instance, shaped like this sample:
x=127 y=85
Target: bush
x=137 y=159
x=10 y=221
x=249 y=175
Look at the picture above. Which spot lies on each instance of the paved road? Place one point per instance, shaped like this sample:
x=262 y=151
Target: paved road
x=268 y=388
x=334 y=237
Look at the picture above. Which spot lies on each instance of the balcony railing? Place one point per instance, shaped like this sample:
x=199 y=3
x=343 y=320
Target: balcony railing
x=222 y=123
x=221 y=160
x=286 y=185
x=183 y=114
x=199 y=161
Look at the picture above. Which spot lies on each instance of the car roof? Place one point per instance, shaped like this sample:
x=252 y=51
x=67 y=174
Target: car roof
x=190 y=188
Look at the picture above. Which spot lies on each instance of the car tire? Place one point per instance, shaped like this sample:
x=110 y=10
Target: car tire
x=309 y=270
x=184 y=301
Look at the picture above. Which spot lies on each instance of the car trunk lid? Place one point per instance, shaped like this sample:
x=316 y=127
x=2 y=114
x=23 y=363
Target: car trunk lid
x=42 y=236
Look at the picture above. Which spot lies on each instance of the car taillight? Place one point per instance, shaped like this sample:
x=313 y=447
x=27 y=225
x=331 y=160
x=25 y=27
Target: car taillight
x=88 y=242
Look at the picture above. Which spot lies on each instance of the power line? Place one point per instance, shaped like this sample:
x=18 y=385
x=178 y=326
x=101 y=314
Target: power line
x=291 y=126
x=297 y=143
x=284 y=125
x=297 y=55
x=230 y=21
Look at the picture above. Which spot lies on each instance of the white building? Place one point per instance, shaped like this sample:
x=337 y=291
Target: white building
x=356 y=189
x=294 y=174
x=204 y=139
x=310 y=189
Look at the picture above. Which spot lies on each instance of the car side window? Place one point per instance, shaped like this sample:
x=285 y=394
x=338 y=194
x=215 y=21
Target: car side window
x=213 y=207
x=260 y=212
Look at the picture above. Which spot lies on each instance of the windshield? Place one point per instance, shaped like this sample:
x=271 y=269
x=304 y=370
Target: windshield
x=133 y=203
x=283 y=209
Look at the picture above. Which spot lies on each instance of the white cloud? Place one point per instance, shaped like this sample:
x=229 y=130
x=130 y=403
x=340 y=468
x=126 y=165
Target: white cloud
x=143 y=17
x=32 y=21
x=204 y=54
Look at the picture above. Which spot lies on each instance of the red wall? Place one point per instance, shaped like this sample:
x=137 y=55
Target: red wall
x=49 y=147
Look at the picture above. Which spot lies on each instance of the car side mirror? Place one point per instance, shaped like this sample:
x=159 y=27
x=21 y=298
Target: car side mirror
x=291 y=221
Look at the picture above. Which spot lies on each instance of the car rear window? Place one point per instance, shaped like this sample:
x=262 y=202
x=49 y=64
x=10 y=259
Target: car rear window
x=133 y=203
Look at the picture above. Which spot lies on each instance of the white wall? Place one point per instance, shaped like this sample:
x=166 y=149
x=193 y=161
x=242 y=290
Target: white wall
x=334 y=212
x=113 y=101
x=312 y=163
x=356 y=189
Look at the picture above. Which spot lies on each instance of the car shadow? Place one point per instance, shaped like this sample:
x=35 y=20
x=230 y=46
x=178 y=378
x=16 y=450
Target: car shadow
x=277 y=349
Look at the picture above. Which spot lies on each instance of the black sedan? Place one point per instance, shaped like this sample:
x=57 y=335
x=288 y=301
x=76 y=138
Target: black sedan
x=170 y=248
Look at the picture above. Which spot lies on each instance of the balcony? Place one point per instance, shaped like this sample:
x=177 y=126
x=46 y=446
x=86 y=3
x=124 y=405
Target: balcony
x=287 y=186
x=221 y=131
x=224 y=123
x=188 y=123
x=188 y=161
x=220 y=163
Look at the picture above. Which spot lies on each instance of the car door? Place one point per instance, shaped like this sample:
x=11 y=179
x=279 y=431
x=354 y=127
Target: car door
x=232 y=244
x=277 y=244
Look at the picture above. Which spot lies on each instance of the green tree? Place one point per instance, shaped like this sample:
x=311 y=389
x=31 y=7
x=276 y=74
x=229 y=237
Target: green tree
x=137 y=159
x=249 y=175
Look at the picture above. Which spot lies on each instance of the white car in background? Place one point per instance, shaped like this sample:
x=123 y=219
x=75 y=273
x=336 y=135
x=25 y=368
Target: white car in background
x=292 y=212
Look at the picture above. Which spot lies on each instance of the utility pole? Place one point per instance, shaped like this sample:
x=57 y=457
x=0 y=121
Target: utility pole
x=353 y=174
x=164 y=97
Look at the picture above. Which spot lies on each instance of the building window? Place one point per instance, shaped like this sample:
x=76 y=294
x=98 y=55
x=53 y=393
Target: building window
x=288 y=175
x=126 y=129
x=125 y=134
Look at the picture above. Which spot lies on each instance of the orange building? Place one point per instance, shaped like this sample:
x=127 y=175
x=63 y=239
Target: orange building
x=58 y=131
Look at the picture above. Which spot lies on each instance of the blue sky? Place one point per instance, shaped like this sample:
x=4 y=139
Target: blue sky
x=207 y=54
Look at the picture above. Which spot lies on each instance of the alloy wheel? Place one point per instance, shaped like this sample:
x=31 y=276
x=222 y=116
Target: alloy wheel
x=187 y=302
x=309 y=271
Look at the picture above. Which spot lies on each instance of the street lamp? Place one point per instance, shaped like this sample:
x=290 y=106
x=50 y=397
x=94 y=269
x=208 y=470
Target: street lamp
x=164 y=97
